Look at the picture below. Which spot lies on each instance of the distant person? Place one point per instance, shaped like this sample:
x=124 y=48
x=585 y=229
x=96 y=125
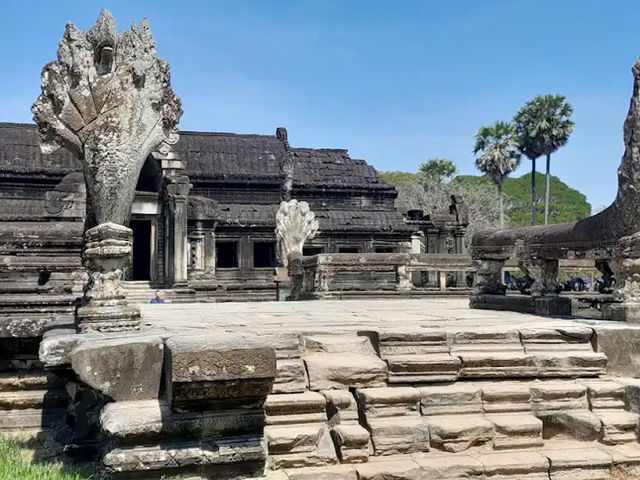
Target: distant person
x=157 y=298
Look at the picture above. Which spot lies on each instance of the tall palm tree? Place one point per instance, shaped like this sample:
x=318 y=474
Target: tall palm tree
x=543 y=126
x=438 y=169
x=497 y=145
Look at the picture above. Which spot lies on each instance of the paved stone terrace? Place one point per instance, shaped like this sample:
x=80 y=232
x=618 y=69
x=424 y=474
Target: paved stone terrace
x=335 y=316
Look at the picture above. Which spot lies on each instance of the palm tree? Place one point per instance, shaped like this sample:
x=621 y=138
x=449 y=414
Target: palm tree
x=499 y=155
x=438 y=169
x=543 y=126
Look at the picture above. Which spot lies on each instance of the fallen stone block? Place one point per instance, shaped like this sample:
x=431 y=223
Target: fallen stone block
x=127 y=368
x=455 y=433
x=204 y=371
x=345 y=370
x=578 y=464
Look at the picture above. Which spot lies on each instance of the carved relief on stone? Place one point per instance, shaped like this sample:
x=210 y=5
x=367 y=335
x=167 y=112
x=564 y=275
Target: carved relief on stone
x=488 y=277
x=543 y=274
x=108 y=100
x=626 y=269
x=295 y=224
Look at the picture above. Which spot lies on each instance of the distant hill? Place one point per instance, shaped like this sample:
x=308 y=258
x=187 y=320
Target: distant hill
x=565 y=203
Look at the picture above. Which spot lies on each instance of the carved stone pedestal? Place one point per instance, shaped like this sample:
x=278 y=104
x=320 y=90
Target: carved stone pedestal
x=626 y=271
x=104 y=307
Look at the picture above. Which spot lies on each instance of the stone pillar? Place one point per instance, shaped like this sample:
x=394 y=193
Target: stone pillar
x=177 y=190
x=626 y=271
x=488 y=278
x=106 y=252
x=544 y=275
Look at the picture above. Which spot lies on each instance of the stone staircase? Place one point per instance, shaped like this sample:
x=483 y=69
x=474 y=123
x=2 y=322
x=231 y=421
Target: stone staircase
x=487 y=403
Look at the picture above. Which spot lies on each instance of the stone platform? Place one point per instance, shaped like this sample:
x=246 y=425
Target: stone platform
x=359 y=389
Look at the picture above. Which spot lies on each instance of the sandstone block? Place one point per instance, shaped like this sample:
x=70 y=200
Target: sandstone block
x=558 y=395
x=578 y=464
x=294 y=408
x=619 y=344
x=352 y=443
x=505 y=397
x=342 y=408
x=604 y=393
x=338 y=344
x=517 y=430
x=345 y=370
x=497 y=364
x=455 y=433
x=299 y=446
x=571 y=364
x=528 y=465
x=220 y=368
x=449 y=399
x=290 y=376
x=449 y=466
x=582 y=425
x=389 y=470
x=128 y=368
x=336 y=472
x=395 y=435
x=423 y=368
x=618 y=426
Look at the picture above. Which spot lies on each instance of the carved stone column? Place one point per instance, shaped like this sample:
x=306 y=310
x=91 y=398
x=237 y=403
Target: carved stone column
x=626 y=271
x=543 y=274
x=488 y=278
x=177 y=190
x=108 y=100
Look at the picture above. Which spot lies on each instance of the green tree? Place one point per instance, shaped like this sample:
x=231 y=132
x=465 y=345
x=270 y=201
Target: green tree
x=543 y=125
x=497 y=145
x=438 y=169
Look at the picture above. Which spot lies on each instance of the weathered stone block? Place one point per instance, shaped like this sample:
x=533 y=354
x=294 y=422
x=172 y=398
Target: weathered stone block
x=449 y=466
x=302 y=445
x=528 y=465
x=336 y=472
x=455 y=433
x=395 y=435
x=517 y=430
x=621 y=346
x=451 y=399
x=345 y=370
x=390 y=470
x=127 y=368
x=578 y=464
x=202 y=371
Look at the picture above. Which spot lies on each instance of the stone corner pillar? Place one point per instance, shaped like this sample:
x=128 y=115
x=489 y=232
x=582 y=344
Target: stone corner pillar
x=625 y=266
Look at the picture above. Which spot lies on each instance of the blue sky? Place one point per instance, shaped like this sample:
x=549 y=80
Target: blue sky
x=394 y=82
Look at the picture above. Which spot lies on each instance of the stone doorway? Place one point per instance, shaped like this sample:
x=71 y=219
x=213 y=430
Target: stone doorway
x=141 y=264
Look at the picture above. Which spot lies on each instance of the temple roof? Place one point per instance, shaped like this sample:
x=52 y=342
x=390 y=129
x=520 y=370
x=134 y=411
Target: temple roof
x=209 y=156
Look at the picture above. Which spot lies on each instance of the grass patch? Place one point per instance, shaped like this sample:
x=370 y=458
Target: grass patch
x=17 y=462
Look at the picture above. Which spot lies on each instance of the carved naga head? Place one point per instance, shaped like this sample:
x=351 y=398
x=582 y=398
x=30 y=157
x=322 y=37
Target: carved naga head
x=107 y=99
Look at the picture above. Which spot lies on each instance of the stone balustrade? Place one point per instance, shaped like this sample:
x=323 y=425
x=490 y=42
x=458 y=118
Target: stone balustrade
x=328 y=275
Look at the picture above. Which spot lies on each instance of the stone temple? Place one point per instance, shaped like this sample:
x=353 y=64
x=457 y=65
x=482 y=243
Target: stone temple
x=360 y=376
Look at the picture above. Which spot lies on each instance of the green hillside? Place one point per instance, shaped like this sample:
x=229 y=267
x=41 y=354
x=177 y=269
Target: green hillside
x=565 y=203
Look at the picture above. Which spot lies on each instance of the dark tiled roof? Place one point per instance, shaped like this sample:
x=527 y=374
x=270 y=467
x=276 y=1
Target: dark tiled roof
x=247 y=215
x=20 y=153
x=209 y=156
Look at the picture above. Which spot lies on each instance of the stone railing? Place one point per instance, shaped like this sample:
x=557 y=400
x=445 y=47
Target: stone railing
x=328 y=275
x=611 y=238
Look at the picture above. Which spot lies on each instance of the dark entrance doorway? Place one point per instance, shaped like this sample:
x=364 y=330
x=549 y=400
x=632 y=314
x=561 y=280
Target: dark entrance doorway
x=140 y=270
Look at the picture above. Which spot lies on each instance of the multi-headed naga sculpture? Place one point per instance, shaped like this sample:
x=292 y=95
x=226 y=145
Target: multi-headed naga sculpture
x=108 y=100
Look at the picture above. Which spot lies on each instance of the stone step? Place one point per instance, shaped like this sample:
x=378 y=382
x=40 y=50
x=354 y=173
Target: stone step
x=227 y=458
x=29 y=380
x=562 y=461
x=33 y=399
x=31 y=419
x=136 y=422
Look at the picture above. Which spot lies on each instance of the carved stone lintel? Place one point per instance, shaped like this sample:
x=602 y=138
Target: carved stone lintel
x=488 y=278
x=106 y=252
x=544 y=276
